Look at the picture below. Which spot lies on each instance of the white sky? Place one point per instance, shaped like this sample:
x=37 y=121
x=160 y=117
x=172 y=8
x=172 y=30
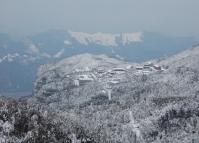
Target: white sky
x=176 y=17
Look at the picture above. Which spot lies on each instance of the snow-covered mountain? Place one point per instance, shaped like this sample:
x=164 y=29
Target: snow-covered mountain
x=91 y=98
x=118 y=101
x=19 y=59
x=106 y=39
x=56 y=44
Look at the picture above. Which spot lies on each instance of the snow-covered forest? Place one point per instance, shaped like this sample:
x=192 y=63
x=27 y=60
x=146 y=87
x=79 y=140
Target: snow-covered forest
x=98 y=99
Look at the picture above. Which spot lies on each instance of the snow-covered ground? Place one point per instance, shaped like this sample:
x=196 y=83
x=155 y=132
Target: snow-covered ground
x=132 y=102
x=95 y=98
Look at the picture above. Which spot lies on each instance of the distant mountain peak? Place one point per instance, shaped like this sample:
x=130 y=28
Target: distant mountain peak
x=106 y=39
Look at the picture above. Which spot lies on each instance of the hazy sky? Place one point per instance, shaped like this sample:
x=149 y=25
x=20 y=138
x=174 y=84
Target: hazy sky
x=177 y=17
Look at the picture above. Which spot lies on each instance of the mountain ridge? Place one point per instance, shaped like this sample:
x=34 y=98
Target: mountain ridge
x=51 y=46
x=151 y=102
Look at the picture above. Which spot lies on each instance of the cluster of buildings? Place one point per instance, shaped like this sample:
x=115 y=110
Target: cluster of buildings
x=148 y=68
x=85 y=76
x=113 y=75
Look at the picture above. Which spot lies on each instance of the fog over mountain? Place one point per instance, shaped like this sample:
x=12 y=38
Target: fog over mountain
x=19 y=59
x=99 y=71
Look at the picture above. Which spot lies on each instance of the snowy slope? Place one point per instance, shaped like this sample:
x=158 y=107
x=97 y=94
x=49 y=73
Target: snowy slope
x=115 y=103
x=188 y=58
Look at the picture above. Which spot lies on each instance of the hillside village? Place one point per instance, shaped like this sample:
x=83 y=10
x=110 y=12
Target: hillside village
x=99 y=71
x=112 y=75
x=142 y=101
x=98 y=99
x=108 y=77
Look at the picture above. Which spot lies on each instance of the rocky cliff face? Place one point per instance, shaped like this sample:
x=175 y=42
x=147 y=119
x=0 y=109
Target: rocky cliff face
x=115 y=101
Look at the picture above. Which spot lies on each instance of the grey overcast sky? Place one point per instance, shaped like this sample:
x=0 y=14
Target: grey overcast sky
x=176 y=17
